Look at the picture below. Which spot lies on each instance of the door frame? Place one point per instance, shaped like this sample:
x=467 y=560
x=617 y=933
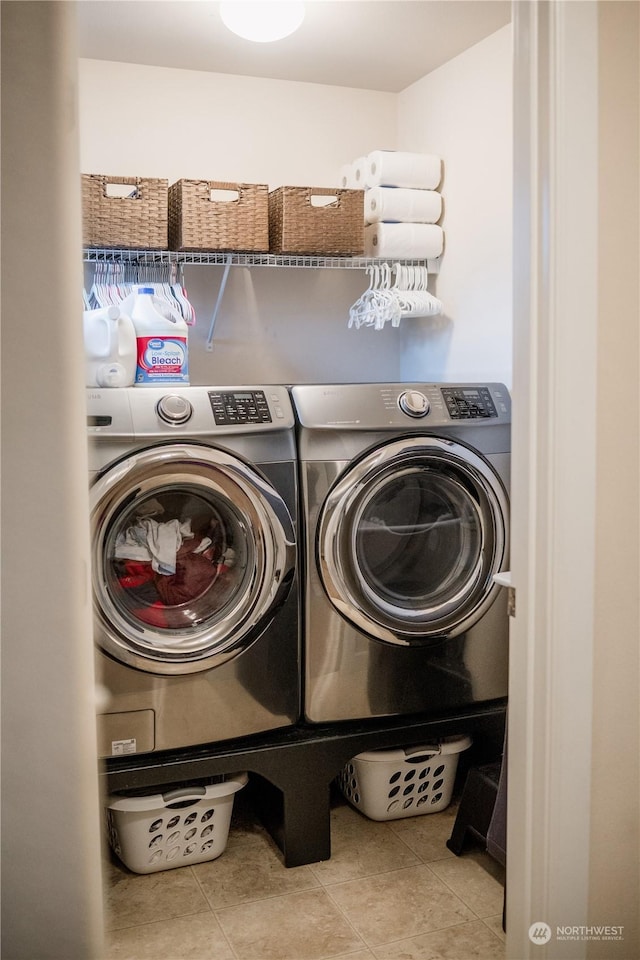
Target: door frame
x=554 y=471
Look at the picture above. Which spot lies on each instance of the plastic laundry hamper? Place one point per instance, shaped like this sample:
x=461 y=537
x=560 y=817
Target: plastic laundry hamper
x=389 y=784
x=172 y=829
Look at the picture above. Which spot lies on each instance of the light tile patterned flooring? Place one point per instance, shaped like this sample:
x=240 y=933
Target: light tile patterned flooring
x=391 y=891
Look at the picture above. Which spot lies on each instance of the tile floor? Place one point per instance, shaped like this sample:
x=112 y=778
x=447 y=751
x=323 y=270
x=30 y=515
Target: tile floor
x=391 y=891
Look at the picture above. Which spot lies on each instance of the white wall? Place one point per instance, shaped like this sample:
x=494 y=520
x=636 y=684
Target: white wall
x=463 y=112
x=274 y=325
x=291 y=326
x=164 y=122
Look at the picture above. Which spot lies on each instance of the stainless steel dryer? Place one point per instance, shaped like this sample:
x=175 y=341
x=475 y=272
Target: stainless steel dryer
x=193 y=507
x=405 y=511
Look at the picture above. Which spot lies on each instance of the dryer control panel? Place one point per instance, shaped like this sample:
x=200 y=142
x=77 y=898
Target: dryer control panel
x=469 y=403
x=390 y=406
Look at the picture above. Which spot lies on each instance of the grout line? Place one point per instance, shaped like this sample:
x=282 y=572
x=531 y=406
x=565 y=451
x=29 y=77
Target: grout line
x=363 y=943
x=213 y=912
x=347 y=920
x=327 y=887
x=459 y=895
x=147 y=923
x=497 y=917
x=427 y=933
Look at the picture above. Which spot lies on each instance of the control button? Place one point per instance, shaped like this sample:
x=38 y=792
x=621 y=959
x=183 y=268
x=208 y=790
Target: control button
x=173 y=409
x=240 y=408
x=413 y=403
x=469 y=403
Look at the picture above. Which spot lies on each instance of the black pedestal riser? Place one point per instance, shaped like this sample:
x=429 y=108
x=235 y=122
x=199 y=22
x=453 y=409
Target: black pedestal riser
x=296 y=766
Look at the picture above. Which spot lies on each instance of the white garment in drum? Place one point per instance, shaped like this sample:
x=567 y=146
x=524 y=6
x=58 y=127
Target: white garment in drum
x=158 y=542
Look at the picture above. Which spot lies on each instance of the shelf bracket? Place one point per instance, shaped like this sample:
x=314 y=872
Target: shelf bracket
x=223 y=283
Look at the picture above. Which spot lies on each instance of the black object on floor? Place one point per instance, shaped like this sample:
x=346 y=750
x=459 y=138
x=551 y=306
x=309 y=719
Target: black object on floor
x=476 y=806
x=482 y=814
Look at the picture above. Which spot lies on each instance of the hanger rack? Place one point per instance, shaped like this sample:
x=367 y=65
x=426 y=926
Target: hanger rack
x=235 y=259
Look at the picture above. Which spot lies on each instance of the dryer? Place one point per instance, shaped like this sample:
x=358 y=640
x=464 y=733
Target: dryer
x=193 y=496
x=405 y=512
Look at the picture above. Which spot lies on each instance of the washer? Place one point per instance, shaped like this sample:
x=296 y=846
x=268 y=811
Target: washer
x=405 y=510
x=196 y=610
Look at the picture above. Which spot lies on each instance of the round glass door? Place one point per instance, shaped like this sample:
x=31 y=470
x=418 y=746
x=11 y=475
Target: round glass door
x=410 y=538
x=193 y=551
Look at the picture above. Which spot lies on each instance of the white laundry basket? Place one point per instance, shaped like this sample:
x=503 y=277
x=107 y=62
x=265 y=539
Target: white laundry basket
x=173 y=829
x=389 y=784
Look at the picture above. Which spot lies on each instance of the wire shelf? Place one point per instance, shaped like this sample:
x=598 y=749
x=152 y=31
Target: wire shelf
x=95 y=255
x=235 y=259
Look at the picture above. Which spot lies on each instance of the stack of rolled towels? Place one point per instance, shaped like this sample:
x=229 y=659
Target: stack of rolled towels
x=401 y=203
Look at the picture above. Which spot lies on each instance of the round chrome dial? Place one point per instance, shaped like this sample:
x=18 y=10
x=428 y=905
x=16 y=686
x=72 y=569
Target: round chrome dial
x=413 y=403
x=173 y=409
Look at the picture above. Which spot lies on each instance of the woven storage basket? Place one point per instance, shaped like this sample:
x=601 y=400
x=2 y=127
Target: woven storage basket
x=198 y=221
x=138 y=220
x=298 y=225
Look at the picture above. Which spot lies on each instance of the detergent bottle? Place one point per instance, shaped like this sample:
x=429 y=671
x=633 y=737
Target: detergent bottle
x=161 y=335
x=109 y=347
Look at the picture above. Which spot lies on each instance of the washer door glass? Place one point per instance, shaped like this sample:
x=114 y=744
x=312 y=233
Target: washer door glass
x=410 y=538
x=193 y=552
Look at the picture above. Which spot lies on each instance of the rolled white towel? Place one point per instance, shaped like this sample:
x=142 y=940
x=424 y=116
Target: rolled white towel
x=411 y=241
x=359 y=173
x=345 y=176
x=401 y=205
x=394 y=168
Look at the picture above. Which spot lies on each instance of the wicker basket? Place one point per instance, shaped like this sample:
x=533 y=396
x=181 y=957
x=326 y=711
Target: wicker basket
x=200 y=221
x=138 y=220
x=300 y=221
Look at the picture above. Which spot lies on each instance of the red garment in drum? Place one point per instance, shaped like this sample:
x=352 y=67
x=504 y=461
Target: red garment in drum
x=194 y=575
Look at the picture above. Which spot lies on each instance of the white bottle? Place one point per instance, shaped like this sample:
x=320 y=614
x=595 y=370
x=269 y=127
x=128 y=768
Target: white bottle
x=161 y=335
x=109 y=347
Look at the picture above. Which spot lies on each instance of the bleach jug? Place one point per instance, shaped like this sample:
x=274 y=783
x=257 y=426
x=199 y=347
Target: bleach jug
x=161 y=335
x=109 y=347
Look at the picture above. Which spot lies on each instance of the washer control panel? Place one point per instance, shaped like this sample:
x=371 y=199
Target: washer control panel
x=248 y=406
x=469 y=403
x=196 y=411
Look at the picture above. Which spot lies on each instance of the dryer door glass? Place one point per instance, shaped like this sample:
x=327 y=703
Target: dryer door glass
x=418 y=539
x=193 y=553
x=410 y=539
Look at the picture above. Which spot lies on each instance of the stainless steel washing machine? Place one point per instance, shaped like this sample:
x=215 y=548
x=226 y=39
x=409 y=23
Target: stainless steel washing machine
x=195 y=589
x=405 y=512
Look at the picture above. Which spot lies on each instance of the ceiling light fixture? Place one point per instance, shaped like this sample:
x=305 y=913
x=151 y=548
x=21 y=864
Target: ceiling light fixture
x=262 y=21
